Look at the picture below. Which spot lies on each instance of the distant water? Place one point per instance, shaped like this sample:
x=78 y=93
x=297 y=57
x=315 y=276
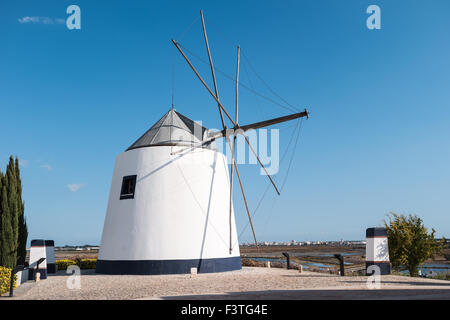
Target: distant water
x=435 y=267
x=343 y=254
x=301 y=254
x=305 y=265
x=268 y=259
x=316 y=264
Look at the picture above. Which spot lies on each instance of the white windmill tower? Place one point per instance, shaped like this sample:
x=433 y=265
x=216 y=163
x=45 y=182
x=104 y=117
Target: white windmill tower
x=170 y=205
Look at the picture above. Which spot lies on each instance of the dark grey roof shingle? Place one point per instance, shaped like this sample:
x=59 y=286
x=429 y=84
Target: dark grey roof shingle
x=173 y=129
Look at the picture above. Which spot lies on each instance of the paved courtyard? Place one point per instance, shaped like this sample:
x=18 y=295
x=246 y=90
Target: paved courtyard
x=248 y=283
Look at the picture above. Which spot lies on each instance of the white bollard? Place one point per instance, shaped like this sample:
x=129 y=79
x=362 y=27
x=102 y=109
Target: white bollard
x=37 y=251
x=377 y=250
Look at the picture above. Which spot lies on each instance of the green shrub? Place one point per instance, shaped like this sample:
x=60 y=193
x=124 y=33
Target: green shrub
x=82 y=263
x=410 y=243
x=5 y=278
x=88 y=263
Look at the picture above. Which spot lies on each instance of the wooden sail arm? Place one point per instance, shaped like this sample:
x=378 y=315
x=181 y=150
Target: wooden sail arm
x=271 y=122
x=203 y=82
x=234 y=165
x=212 y=67
x=245 y=202
x=213 y=135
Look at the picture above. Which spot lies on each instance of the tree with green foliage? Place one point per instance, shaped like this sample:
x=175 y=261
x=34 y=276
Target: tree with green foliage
x=2 y=252
x=23 y=231
x=410 y=244
x=6 y=232
x=13 y=206
x=13 y=228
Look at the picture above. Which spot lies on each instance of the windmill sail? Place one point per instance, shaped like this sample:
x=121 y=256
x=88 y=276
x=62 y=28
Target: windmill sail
x=235 y=125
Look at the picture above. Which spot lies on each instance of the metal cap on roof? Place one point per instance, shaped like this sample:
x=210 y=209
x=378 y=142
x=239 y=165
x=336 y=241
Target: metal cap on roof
x=173 y=129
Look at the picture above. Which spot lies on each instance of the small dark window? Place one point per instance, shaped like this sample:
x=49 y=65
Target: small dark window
x=128 y=187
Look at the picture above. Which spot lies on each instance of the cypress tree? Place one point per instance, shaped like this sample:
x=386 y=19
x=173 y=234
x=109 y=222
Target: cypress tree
x=13 y=227
x=7 y=257
x=23 y=232
x=1 y=217
x=13 y=207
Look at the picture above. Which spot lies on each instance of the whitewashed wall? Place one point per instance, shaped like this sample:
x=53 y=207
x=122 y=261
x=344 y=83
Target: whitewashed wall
x=180 y=209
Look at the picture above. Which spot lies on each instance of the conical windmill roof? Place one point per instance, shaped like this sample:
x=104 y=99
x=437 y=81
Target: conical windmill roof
x=173 y=129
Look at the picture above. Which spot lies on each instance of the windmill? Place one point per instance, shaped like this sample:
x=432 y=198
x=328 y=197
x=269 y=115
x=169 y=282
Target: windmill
x=170 y=204
x=235 y=129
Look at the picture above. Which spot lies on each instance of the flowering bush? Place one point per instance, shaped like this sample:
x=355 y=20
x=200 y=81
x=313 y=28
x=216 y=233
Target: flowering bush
x=63 y=264
x=5 y=278
x=82 y=263
x=88 y=263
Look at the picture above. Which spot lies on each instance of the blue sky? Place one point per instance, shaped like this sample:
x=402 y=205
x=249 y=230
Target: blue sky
x=378 y=139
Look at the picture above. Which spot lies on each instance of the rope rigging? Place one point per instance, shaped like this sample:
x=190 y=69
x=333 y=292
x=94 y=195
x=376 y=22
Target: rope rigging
x=188 y=29
x=281 y=103
x=287 y=174
x=297 y=130
x=225 y=37
x=265 y=83
x=288 y=106
x=231 y=78
x=260 y=109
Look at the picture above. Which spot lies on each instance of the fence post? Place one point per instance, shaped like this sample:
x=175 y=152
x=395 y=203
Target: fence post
x=341 y=262
x=288 y=260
